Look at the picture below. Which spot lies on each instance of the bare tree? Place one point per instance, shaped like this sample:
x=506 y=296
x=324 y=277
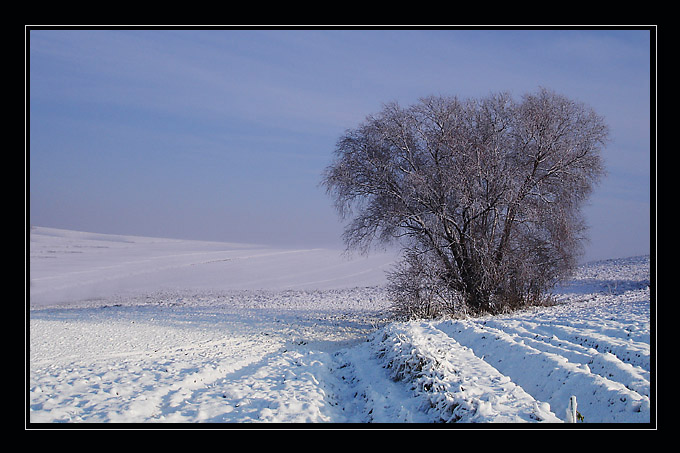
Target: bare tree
x=483 y=195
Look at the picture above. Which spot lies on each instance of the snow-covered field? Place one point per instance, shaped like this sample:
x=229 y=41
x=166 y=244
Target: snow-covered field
x=129 y=329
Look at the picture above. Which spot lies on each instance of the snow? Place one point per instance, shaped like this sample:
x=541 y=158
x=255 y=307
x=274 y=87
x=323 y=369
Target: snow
x=125 y=329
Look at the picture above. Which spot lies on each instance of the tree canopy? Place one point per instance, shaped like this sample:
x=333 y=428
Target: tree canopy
x=484 y=195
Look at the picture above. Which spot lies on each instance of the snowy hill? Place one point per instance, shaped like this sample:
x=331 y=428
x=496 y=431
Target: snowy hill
x=69 y=266
x=136 y=330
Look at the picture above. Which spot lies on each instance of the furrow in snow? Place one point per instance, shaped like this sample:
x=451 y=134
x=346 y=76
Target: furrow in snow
x=551 y=377
x=605 y=364
x=451 y=381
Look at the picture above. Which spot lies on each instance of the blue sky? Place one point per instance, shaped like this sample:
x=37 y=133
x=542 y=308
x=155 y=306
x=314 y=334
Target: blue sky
x=223 y=134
